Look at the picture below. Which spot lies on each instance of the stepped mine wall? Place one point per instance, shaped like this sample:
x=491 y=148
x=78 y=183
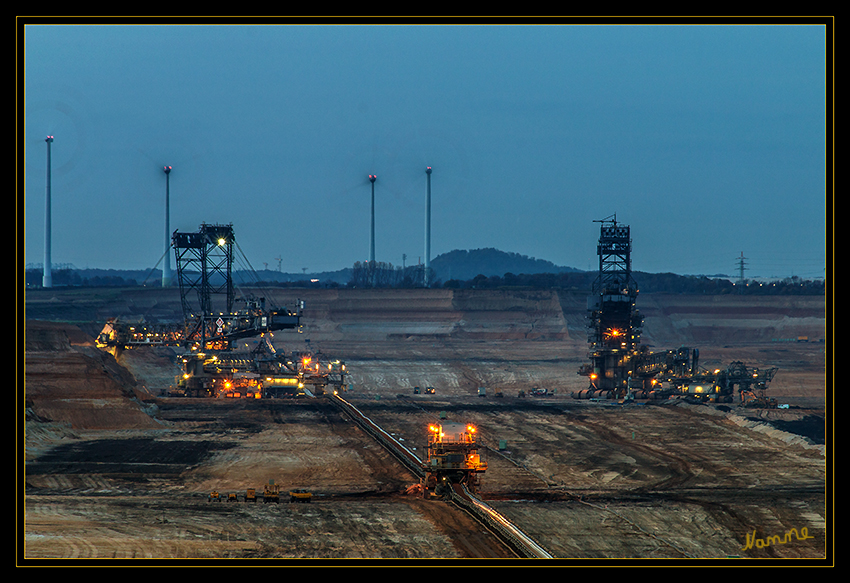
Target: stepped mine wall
x=384 y=314
x=69 y=381
x=693 y=320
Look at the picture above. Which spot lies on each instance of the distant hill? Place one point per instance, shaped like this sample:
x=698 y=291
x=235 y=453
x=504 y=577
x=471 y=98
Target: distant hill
x=465 y=265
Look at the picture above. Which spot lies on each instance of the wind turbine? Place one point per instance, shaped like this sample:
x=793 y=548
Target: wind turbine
x=372 y=179
x=166 y=268
x=47 y=277
x=427 y=227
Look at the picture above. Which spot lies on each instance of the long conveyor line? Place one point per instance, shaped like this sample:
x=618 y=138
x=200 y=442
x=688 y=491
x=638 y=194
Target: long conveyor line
x=500 y=526
x=520 y=542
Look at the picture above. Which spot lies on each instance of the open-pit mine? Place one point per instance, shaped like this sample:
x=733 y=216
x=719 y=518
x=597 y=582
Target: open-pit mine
x=423 y=424
x=120 y=465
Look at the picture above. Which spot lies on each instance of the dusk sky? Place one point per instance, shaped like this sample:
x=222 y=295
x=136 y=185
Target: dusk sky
x=708 y=140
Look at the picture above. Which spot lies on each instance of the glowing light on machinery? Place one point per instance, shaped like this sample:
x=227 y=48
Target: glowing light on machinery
x=211 y=366
x=620 y=367
x=452 y=457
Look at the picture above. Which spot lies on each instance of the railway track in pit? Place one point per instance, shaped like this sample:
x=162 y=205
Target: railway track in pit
x=511 y=536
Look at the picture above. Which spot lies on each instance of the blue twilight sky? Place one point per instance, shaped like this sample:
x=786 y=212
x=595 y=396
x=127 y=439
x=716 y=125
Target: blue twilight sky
x=709 y=140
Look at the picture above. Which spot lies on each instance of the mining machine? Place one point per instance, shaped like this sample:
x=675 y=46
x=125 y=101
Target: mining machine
x=452 y=458
x=211 y=333
x=736 y=380
x=300 y=495
x=204 y=265
x=618 y=363
x=271 y=493
x=261 y=372
x=621 y=368
x=204 y=270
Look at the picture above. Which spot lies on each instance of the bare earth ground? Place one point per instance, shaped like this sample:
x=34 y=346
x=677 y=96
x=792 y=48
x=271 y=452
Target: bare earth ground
x=114 y=471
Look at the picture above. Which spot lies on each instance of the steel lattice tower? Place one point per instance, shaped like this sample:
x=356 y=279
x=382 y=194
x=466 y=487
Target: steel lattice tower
x=205 y=265
x=614 y=324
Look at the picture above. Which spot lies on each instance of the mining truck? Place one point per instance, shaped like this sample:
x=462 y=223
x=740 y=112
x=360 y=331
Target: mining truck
x=300 y=495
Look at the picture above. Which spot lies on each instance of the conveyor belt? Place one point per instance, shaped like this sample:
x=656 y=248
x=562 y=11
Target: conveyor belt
x=520 y=542
x=409 y=459
x=509 y=534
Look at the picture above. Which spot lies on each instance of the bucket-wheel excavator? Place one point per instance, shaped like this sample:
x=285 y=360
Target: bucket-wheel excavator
x=212 y=363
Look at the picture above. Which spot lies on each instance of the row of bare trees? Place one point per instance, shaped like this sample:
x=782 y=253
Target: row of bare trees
x=382 y=274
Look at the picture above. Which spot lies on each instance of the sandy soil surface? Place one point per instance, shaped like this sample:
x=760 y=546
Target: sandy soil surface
x=114 y=471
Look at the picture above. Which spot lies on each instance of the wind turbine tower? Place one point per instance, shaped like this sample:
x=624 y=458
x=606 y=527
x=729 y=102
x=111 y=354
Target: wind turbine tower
x=372 y=178
x=47 y=278
x=427 y=227
x=166 y=268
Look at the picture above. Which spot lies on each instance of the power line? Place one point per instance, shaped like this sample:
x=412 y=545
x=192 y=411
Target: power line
x=741 y=267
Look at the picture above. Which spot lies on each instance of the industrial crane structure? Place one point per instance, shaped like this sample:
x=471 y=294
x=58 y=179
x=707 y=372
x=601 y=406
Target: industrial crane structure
x=210 y=333
x=621 y=368
x=614 y=324
x=204 y=268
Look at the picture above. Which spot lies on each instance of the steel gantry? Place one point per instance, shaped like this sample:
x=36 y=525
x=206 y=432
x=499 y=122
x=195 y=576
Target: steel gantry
x=621 y=368
x=205 y=266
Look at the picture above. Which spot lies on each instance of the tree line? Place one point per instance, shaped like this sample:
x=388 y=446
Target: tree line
x=646 y=282
x=385 y=275
x=378 y=274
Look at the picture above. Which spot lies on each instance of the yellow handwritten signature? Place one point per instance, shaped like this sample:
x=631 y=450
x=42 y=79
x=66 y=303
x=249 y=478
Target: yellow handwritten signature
x=761 y=543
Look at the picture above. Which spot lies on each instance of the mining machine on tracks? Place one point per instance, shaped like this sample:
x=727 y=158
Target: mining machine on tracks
x=204 y=269
x=213 y=365
x=450 y=472
x=452 y=458
x=620 y=367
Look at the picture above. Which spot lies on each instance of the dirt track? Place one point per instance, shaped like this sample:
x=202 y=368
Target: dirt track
x=114 y=471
